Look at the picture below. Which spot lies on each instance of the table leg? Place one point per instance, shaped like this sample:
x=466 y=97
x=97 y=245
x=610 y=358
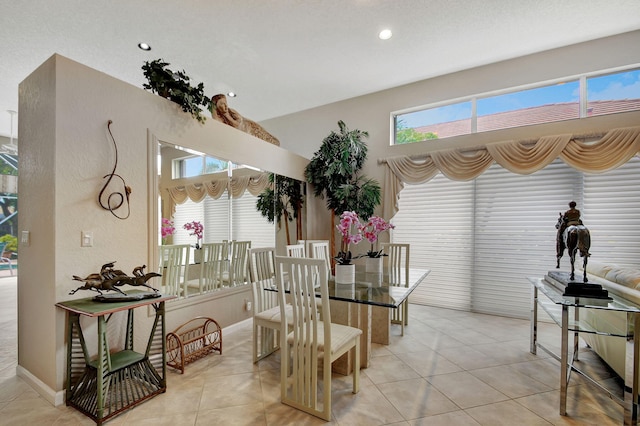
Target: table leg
x=380 y=325
x=631 y=371
x=564 y=361
x=576 y=336
x=534 y=321
x=355 y=315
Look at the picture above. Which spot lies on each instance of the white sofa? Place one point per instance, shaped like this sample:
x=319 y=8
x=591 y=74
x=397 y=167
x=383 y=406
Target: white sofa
x=623 y=282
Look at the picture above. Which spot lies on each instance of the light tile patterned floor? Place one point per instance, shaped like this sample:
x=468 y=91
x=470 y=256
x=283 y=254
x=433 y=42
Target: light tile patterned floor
x=450 y=368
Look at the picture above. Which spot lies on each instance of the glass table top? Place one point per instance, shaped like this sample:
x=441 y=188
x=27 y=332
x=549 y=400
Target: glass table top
x=554 y=294
x=374 y=288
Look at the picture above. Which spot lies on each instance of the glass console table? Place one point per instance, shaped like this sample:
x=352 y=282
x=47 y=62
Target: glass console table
x=565 y=312
x=105 y=386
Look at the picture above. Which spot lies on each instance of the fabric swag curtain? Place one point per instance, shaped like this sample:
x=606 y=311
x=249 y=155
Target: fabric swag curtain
x=215 y=188
x=615 y=148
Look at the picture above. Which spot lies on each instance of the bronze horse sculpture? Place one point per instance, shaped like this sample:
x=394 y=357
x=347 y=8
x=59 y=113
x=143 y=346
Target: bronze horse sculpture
x=573 y=238
x=109 y=279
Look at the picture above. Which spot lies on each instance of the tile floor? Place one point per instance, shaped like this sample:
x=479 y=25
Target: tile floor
x=450 y=368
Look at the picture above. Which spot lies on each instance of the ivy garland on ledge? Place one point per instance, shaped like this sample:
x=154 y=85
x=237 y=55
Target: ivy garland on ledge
x=176 y=86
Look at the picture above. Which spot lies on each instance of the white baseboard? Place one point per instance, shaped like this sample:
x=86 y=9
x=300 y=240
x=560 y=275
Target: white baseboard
x=53 y=397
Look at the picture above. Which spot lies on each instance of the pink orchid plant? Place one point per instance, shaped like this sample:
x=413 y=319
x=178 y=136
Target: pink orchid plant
x=370 y=230
x=196 y=229
x=166 y=229
x=350 y=230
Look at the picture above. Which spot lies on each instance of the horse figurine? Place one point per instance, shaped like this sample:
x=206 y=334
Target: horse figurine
x=573 y=238
x=109 y=279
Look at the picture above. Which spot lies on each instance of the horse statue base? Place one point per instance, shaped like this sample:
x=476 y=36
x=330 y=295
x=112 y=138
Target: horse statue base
x=562 y=281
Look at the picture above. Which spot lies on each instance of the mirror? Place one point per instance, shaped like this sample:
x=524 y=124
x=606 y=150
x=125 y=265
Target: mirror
x=232 y=202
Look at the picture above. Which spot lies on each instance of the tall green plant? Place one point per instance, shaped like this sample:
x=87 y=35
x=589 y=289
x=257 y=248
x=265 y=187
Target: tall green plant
x=283 y=204
x=334 y=172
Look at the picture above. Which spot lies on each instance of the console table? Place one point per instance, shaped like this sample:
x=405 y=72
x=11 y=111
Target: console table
x=565 y=312
x=113 y=382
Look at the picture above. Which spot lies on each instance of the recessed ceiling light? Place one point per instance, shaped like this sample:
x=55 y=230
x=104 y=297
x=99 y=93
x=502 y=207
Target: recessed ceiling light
x=144 y=46
x=232 y=94
x=385 y=34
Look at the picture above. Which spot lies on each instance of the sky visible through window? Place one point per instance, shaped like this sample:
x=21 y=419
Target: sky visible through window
x=624 y=85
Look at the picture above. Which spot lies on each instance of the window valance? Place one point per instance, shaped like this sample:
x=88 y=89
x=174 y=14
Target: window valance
x=215 y=188
x=612 y=150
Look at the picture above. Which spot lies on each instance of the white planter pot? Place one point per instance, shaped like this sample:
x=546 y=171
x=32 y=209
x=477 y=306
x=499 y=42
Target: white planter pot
x=197 y=256
x=345 y=274
x=373 y=265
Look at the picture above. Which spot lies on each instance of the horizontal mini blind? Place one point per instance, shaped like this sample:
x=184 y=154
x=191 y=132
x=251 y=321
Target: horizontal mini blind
x=436 y=218
x=185 y=213
x=249 y=225
x=515 y=234
x=612 y=213
x=216 y=213
x=509 y=231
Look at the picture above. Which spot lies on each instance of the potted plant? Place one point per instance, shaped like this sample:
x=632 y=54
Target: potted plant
x=175 y=86
x=370 y=231
x=350 y=230
x=334 y=172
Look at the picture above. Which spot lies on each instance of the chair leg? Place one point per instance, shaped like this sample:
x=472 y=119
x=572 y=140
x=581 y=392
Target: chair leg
x=326 y=405
x=356 y=367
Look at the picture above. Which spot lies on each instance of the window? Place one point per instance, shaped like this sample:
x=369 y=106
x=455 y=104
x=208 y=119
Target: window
x=604 y=94
x=481 y=239
x=197 y=165
x=534 y=106
x=613 y=93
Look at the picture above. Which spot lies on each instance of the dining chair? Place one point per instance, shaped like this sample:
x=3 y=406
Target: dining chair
x=238 y=273
x=174 y=267
x=296 y=250
x=214 y=263
x=308 y=243
x=398 y=273
x=313 y=343
x=319 y=249
x=266 y=310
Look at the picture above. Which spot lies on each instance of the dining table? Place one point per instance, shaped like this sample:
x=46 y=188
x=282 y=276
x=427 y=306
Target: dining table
x=366 y=304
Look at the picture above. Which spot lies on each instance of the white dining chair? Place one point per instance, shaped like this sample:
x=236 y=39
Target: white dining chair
x=214 y=262
x=238 y=273
x=313 y=343
x=266 y=310
x=319 y=249
x=398 y=273
x=296 y=250
x=174 y=268
x=308 y=243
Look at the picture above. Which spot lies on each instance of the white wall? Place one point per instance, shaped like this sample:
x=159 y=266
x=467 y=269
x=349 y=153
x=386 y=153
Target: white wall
x=65 y=151
x=303 y=132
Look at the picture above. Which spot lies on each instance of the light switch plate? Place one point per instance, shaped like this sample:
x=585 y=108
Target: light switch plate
x=25 y=238
x=87 y=239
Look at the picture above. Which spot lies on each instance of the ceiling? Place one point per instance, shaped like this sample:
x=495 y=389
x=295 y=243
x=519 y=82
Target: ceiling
x=283 y=56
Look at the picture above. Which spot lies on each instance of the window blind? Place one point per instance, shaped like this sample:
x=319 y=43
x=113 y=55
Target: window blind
x=436 y=218
x=481 y=239
x=612 y=214
x=249 y=225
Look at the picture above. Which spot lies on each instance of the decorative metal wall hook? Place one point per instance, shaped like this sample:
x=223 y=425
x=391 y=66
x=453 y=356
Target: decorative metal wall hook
x=115 y=200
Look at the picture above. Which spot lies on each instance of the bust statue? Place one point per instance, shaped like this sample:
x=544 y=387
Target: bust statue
x=221 y=112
